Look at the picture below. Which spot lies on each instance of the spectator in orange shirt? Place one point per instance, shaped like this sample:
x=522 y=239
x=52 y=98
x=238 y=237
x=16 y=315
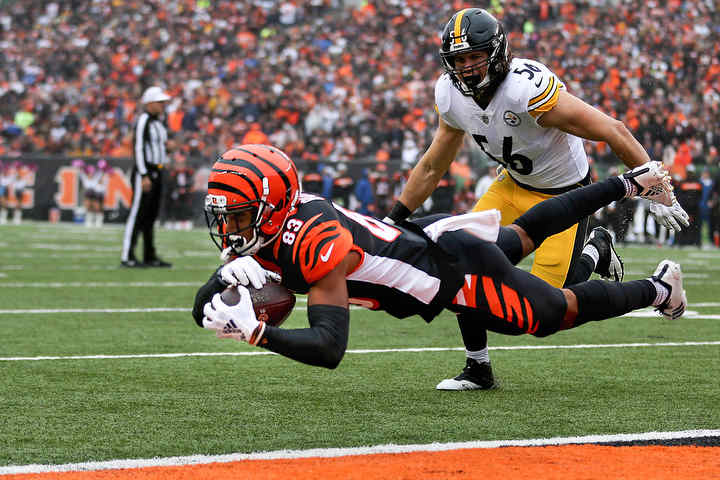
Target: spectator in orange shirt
x=683 y=158
x=255 y=135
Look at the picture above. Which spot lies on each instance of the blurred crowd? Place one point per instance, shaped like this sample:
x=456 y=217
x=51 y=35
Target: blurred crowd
x=341 y=81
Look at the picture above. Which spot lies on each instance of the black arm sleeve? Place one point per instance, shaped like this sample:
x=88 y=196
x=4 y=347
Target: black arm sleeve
x=204 y=294
x=322 y=345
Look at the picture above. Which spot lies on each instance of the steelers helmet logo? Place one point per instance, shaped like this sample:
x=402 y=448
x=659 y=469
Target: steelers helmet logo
x=511 y=118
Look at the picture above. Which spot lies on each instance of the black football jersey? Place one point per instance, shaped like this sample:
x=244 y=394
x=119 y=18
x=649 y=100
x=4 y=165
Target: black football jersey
x=401 y=270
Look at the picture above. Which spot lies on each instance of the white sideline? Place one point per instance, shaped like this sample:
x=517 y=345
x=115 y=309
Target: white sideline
x=343 y=452
x=644 y=313
x=358 y=351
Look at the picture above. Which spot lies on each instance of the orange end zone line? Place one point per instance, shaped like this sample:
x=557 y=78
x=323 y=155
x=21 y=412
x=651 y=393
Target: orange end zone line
x=566 y=462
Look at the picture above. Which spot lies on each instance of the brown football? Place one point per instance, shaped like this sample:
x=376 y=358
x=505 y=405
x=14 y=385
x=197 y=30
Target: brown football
x=272 y=303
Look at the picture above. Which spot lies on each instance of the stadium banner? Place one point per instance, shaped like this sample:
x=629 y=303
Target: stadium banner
x=53 y=186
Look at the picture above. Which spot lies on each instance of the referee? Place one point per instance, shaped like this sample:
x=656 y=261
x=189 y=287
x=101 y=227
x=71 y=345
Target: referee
x=147 y=178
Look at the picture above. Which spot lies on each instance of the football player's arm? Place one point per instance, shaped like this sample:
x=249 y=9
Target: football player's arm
x=429 y=170
x=573 y=116
x=325 y=342
x=204 y=295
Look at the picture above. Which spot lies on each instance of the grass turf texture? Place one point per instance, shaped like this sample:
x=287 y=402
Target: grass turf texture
x=60 y=411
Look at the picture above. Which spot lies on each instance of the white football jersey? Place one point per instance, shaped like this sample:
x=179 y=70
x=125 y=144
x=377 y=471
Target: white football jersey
x=507 y=130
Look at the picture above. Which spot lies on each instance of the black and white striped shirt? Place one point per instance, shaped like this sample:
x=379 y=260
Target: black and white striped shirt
x=149 y=142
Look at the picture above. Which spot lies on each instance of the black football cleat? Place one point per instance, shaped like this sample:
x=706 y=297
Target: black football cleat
x=610 y=265
x=131 y=263
x=157 y=263
x=475 y=376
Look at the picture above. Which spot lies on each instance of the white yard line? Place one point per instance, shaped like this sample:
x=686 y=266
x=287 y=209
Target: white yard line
x=688 y=315
x=97 y=284
x=357 y=351
x=62 y=253
x=645 y=313
x=45 y=255
x=206 y=268
x=43 y=311
x=343 y=452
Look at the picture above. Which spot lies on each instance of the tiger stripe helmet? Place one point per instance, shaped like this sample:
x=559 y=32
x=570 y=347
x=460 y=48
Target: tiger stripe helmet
x=259 y=178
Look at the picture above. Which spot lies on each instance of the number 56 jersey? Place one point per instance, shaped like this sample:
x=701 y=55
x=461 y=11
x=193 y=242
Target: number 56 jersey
x=401 y=271
x=508 y=132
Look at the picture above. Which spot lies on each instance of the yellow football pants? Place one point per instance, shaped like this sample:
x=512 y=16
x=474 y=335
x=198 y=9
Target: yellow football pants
x=553 y=257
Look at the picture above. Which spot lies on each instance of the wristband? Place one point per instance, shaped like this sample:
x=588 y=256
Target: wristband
x=399 y=212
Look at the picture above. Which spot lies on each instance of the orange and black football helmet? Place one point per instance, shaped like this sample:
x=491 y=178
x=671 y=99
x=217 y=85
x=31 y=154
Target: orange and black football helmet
x=258 y=178
x=473 y=30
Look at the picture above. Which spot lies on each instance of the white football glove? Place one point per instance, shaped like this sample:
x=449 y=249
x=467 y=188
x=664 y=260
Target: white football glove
x=246 y=271
x=237 y=322
x=670 y=217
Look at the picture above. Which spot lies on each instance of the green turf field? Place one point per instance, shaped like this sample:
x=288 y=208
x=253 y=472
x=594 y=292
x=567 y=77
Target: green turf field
x=116 y=392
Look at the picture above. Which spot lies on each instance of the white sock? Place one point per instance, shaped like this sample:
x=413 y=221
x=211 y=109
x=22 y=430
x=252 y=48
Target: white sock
x=17 y=217
x=89 y=219
x=99 y=219
x=662 y=293
x=480 y=356
x=3 y=215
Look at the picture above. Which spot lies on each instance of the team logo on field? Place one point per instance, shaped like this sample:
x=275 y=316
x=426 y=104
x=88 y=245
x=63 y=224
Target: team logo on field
x=511 y=118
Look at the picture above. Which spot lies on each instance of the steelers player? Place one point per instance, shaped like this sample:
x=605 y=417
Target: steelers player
x=521 y=115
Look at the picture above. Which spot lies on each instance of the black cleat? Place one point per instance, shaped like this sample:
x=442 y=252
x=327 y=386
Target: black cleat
x=157 y=263
x=610 y=265
x=475 y=376
x=132 y=263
